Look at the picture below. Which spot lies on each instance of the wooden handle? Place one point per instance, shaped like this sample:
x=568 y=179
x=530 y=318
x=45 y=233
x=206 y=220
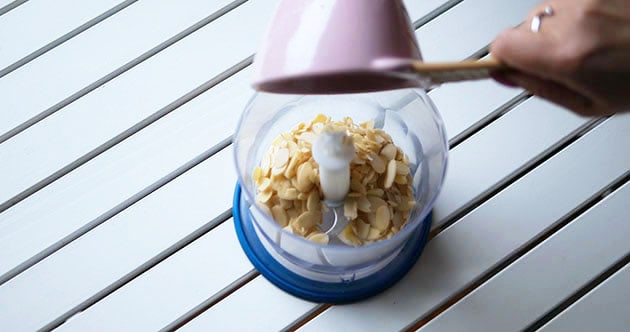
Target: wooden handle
x=442 y=72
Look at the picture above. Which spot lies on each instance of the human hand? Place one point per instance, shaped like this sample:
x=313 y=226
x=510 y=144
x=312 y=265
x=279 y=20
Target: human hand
x=579 y=58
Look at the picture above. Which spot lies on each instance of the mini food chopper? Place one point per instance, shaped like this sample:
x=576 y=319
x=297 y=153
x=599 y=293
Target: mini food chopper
x=344 y=59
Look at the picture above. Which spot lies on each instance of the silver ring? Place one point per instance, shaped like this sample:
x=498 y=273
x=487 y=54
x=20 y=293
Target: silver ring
x=536 y=20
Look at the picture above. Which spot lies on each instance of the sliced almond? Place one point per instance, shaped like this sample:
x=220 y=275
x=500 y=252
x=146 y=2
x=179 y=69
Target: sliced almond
x=376 y=192
x=288 y=228
x=288 y=193
x=350 y=208
x=286 y=204
x=373 y=234
x=363 y=204
x=280 y=215
x=263 y=197
x=320 y=118
x=357 y=186
x=376 y=203
x=382 y=218
x=362 y=228
x=406 y=205
x=402 y=168
x=348 y=237
x=308 y=220
x=400 y=179
x=389 y=152
x=390 y=174
x=304 y=175
x=377 y=163
x=313 y=202
x=291 y=168
x=258 y=175
x=264 y=185
x=280 y=158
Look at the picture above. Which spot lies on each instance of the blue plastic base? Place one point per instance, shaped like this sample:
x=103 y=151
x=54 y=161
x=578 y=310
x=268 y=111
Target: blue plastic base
x=326 y=292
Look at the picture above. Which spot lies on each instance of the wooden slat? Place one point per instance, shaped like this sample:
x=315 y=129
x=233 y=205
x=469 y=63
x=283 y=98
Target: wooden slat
x=605 y=308
x=37 y=23
x=8 y=5
x=195 y=127
x=544 y=114
x=281 y=310
x=489 y=234
x=91 y=191
x=167 y=76
x=62 y=74
x=417 y=10
x=499 y=150
x=74 y=196
x=554 y=270
x=167 y=156
x=71 y=276
x=469 y=18
x=192 y=274
x=464 y=105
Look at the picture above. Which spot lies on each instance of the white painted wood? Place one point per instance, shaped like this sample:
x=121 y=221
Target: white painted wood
x=121 y=172
x=107 y=253
x=193 y=274
x=605 y=308
x=478 y=20
x=492 y=232
x=5 y=2
x=270 y=310
x=153 y=149
x=460 y=242
x=466 y=104
x=88 y=192
x=418 y=8
x=106 y=112
x=462 y=105
x=499 y=150
x=37 y=23
x=93 y=54
x=547 y=274
x=85 y=178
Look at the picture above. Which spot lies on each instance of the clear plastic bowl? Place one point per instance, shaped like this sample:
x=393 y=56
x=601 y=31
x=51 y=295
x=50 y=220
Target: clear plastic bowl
x=415 y=126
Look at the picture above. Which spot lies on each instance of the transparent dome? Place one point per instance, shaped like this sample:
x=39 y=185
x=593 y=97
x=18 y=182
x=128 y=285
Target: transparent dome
x=415 y=126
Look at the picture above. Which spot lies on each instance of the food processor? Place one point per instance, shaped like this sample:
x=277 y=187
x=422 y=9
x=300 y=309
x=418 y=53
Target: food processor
x=341 y=59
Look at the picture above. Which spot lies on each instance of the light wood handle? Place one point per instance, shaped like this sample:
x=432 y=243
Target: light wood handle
x=442 y=72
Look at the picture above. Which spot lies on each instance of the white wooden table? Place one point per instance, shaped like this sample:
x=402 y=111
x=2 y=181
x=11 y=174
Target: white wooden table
x=116 y=182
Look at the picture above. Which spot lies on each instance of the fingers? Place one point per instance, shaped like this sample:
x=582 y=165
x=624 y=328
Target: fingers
x=524 y=50
x=553 y=92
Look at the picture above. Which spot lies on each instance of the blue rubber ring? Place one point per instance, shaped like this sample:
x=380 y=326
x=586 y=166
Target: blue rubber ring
x=326 y=292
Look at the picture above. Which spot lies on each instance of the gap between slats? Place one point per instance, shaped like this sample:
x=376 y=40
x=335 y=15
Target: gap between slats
x=487 y=196
x=115 y=210
x=602 y=277
x=62 y=40
x=129 y=65
x=141 y=269
x=7 y=8
x=435 y=13
x=127 y=133
x=136 y=128
x=502 y=110
x=563 y=222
